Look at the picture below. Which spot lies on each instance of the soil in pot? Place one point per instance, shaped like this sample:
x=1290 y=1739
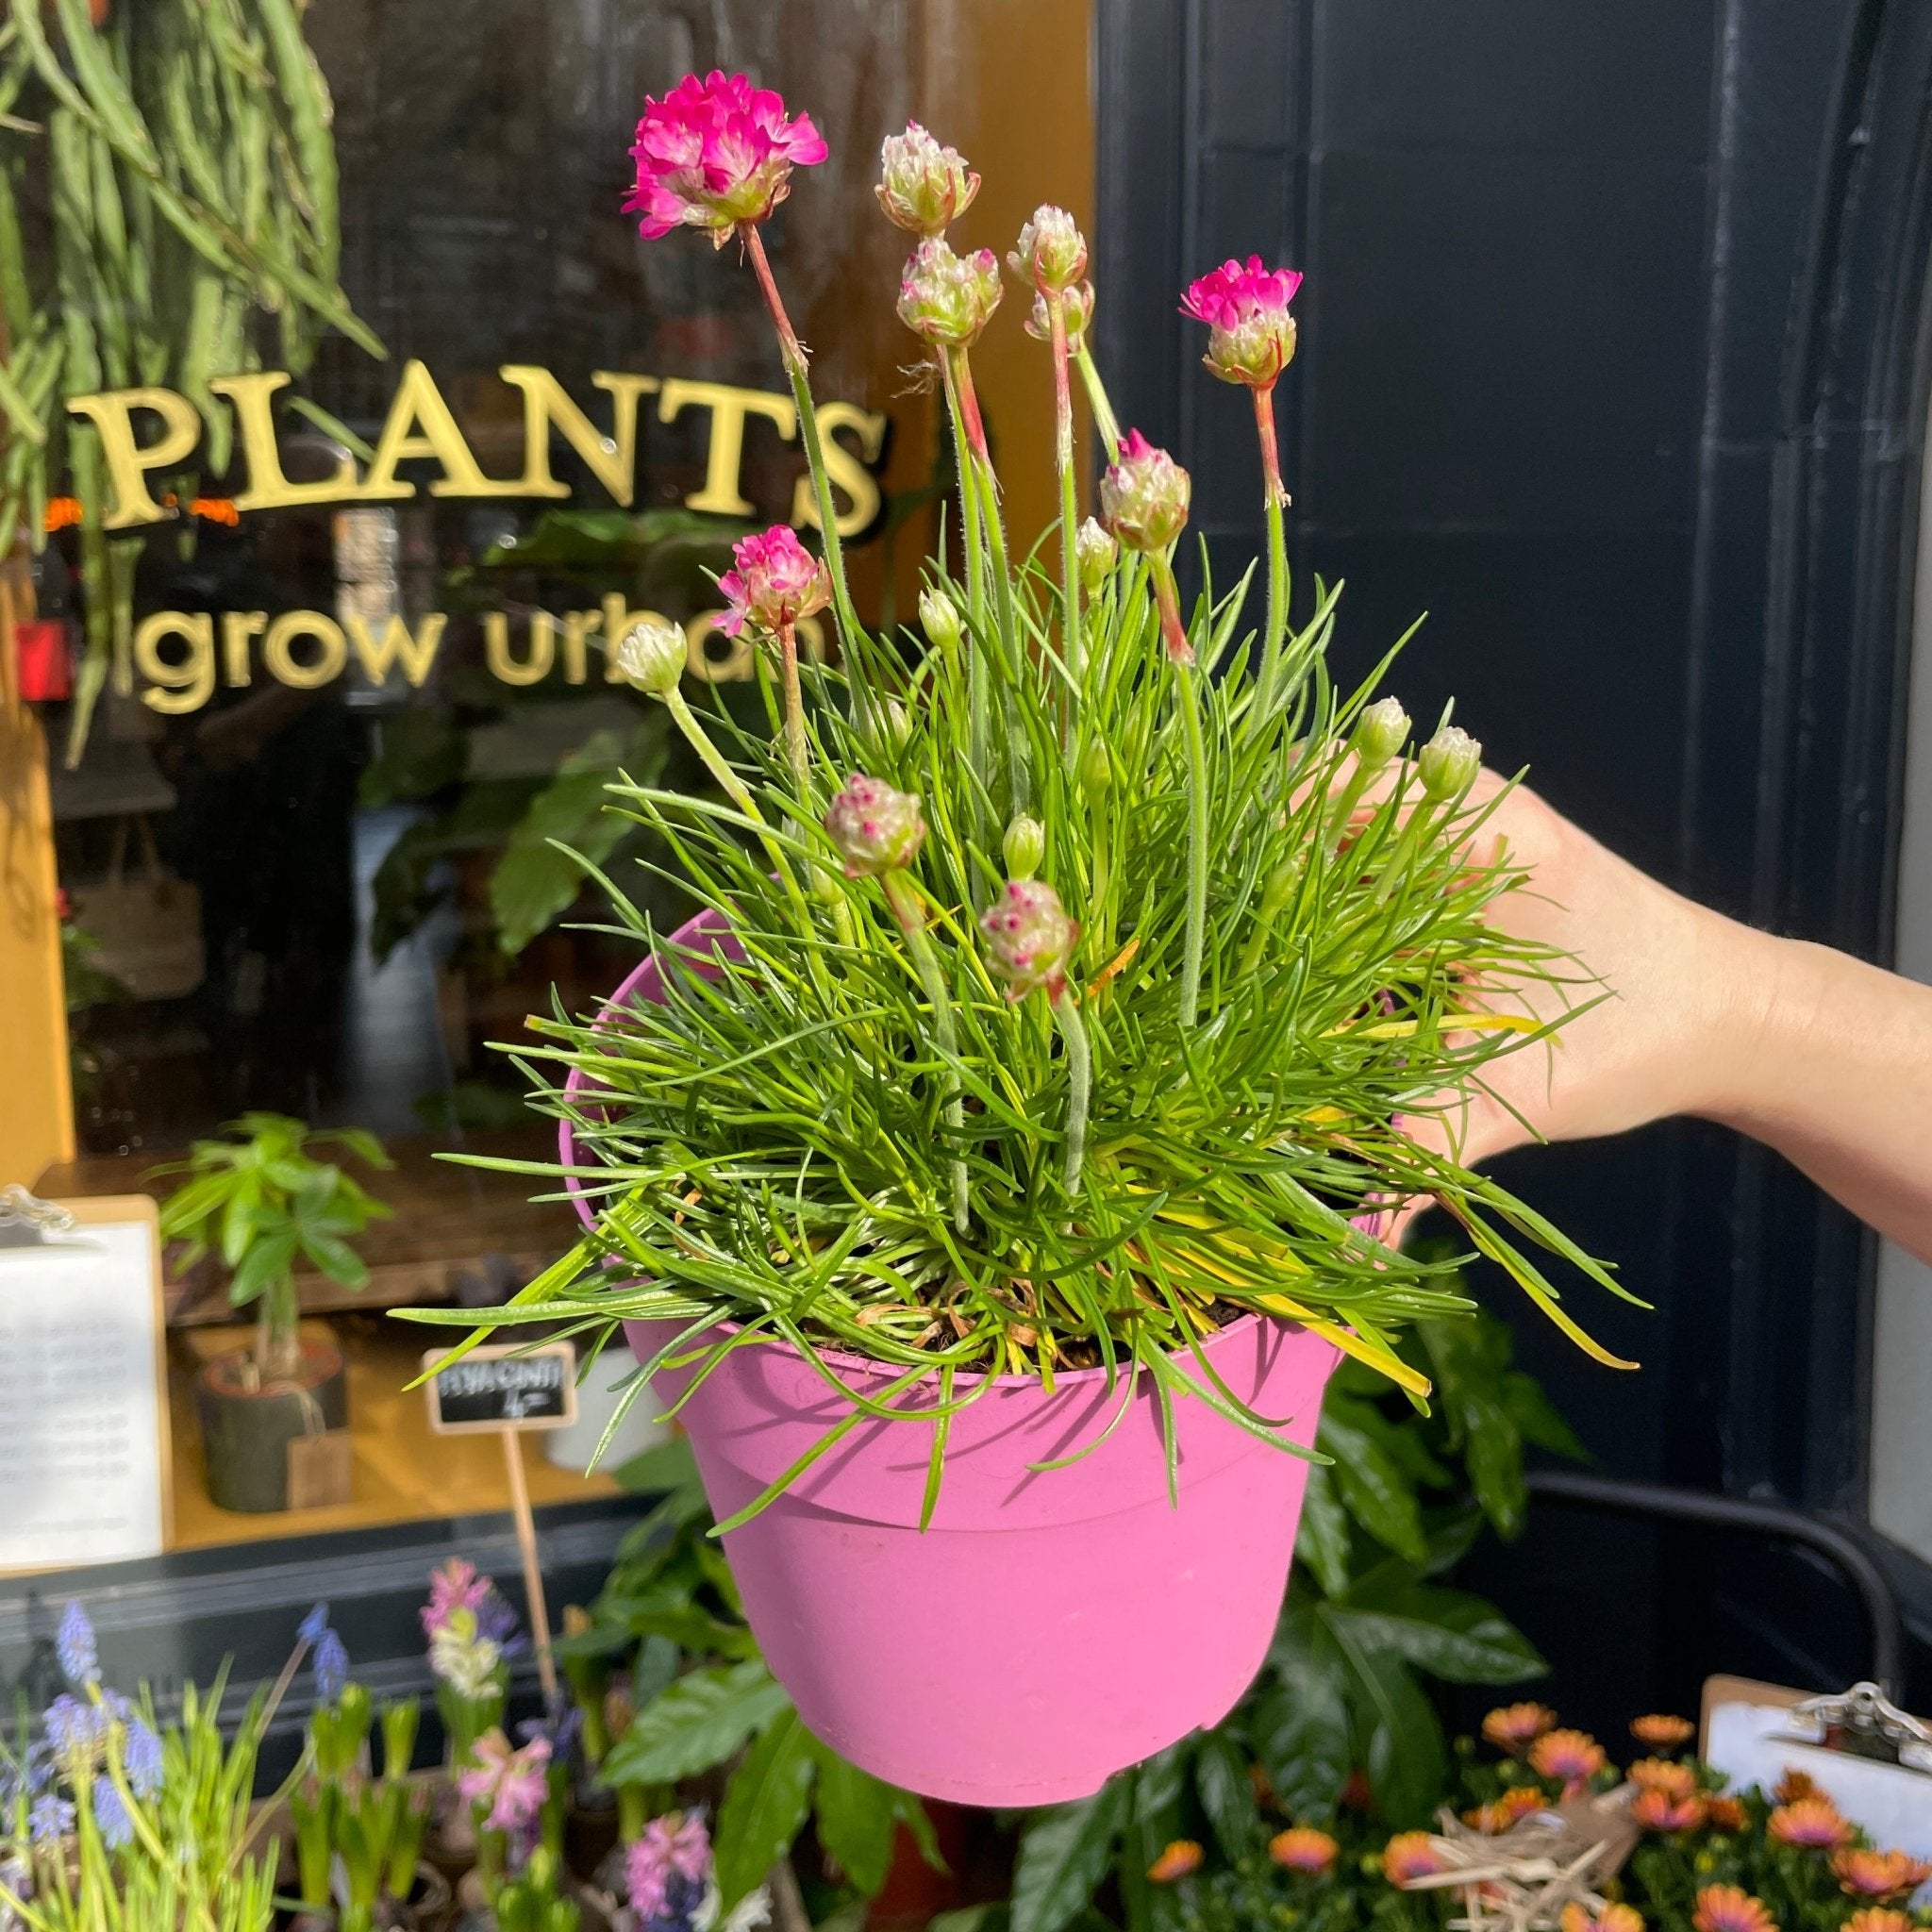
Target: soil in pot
x=246 y=1428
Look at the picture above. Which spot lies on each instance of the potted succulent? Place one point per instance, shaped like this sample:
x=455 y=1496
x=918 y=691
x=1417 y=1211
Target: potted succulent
x=263 y=1202
x=995 y=1171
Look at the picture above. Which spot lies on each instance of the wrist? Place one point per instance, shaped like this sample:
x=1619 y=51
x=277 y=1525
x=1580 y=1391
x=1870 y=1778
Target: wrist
x=1767 y=997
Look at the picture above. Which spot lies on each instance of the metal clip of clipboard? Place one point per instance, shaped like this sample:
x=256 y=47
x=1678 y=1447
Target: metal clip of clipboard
x=1863 y=1723
x=28 y=1222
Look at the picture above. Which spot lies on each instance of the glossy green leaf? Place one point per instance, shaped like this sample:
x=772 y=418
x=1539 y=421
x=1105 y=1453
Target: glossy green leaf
x=267 y=1262
x=1369 y=1482
x=857 y=1820
x=1322 y=1540
x=764 y=1808
x=1064 y=1855
x=1536 y=1417
x=1300 y=1721
x=698 y=1723
x=1227 y=1793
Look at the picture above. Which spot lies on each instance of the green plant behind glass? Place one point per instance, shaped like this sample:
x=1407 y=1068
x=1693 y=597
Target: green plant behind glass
x=342 y=1810
x=263 y=1202
x=698 y=1701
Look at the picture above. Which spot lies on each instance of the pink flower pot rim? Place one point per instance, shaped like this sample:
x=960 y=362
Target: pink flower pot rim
x=867 y=1366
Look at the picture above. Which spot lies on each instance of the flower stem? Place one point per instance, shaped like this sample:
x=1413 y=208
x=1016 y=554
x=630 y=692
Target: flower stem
x=792 y=352
x=794 y=716
x=902 y=896
x=1167 y=597
x=1070 y=505
x=1276 y=501
x=978 y=700
x=1079 y=1083
x=1104 y=418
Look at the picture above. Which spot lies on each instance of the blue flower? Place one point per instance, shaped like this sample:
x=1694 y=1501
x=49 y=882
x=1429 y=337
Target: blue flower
x=51 y=1819
x=74 y=1729
x=331 y=1666
x=74 y=1646
x=142 y=1758
x=111 y=1814
x=313 y=1627
x=495 y=1619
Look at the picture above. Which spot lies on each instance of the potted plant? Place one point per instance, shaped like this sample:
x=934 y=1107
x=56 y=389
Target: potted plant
x=263 y=1202
x=995 y=1171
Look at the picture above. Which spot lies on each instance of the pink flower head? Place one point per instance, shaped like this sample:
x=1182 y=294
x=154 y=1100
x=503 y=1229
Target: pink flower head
x=1410 y=1856
x=923 y=186
x=1077 y=302
x=947 y=299
x=513 y=1783
x=1143 y=496
x=673 y=1847
x=1252 y=335
x=1572 y=1756
x=777 y=581
x=715 y=153
x=1052 y=254
x=875 y=828
x=1029 y=938
x=453 y=1588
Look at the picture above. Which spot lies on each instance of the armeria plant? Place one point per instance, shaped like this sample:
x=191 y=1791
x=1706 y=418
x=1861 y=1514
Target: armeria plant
x=1095 y=963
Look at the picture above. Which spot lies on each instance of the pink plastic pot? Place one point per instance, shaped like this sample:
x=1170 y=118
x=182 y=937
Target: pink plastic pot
x=1046 y=1629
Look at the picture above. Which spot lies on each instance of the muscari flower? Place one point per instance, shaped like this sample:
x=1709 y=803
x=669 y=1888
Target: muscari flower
x=1662 y=1811
x=454 y=1587
x=1811 y=1822
x=514 y=1783
x=74 y=1729
x=667 y=1867
x=1143 y=496
x=310 y=1628
x=1052 y=254
x=1731 y=1908
x=1029 y=938
x=1512 y=1728
x=1175 y=1864
x=50 y=1820
x=715 y=153
x=1612 y=1918
x=1302 y=1848
x=331 y=1666
x=947 y=299
x=1572 y=1757
x=142 y=1760
x=1410 y=1856
x=111 y=1814
x=1076 y=313
x=1251 y=334
x=923 y=186
x=80 y=1657
x=776 y=582
x=1883 y=1878
x=1662 y=1733
x=874 y=827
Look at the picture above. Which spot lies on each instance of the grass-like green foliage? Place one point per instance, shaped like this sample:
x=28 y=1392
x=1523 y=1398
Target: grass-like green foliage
x=846 y=1136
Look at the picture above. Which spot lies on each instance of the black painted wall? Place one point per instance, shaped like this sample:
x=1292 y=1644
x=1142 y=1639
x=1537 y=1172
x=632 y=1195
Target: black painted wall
x=1612 y=361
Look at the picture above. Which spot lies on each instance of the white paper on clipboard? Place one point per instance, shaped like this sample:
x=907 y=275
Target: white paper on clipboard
x=83 y=1431
x=1743 y=1739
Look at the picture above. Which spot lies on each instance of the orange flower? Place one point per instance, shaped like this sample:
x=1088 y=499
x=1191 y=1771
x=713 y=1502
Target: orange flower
x=1519 y=1800
x=1812 y=1822
x=1883 y=1877
x=1176 y=1863
x=1613 y=1918
x=1662 y=1733
x=1730 y=1908
x=1410 y=1856
x=1879 y=1918
x=1725 y=1814
x=1514 y=1728
x=1574 y=1757
x=1676 y=1781
x=1302 y=1848
x=1796 y=1784
x=1658 y=1811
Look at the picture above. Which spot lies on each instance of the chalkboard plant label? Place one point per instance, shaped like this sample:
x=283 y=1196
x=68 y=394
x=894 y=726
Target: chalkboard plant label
x=997 y=1168
x=503 y=1388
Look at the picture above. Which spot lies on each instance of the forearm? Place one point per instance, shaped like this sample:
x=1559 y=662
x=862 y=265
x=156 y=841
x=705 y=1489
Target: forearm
x=1832 y=1066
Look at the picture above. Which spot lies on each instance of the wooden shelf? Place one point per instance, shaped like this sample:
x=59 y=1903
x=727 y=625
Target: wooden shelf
x=402 y=1473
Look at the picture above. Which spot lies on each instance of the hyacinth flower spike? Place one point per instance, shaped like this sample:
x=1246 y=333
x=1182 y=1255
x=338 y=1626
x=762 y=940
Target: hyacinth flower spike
x=1143 y=498
x=1251 y=340
x=716 y=154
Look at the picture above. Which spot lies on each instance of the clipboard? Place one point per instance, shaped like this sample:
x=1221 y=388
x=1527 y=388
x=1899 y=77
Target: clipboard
x=84 y=1434
x=1872 y=1760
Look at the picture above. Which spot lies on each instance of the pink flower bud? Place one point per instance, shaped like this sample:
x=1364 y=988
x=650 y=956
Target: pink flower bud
x=1078 y=304
x=922 y=186
x=1143 y=496
x=1052 y=254
x=948 y=298
x=1251 y=334
x=872 y=827
x=714 y=153
x=777 y=581
x=1029 y=938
